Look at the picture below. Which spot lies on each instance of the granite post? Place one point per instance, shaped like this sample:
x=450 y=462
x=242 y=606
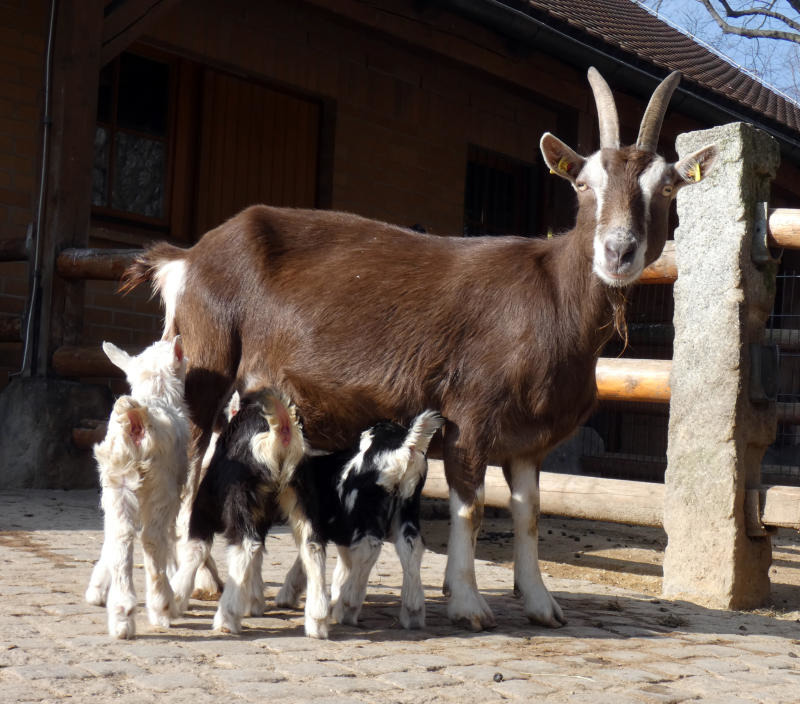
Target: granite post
x=717 y=432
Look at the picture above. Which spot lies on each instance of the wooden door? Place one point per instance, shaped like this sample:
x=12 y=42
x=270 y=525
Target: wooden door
x=257 y=145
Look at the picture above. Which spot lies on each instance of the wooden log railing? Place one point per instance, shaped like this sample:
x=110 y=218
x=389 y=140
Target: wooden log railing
x=10 y=328
x=13 y=250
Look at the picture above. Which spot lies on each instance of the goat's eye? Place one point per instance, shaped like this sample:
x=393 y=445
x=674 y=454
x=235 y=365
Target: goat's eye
x=667 y=191
x=582 y=185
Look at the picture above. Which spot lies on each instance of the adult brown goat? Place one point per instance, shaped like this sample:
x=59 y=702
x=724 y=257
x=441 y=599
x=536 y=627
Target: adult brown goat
x=357 y=320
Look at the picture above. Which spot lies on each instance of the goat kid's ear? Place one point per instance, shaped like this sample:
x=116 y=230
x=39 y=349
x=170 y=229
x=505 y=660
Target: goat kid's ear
x=561 y=159
x=423 y=429
x=119 y=358
x=136 y=424
x=695 y=167
x=177 y=348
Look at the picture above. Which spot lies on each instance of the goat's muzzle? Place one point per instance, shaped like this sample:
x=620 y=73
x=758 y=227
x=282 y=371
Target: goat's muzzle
x=618 y=258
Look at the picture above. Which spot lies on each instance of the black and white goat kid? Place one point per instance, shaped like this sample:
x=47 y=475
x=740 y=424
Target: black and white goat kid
x=357 y=498
x=261 y=468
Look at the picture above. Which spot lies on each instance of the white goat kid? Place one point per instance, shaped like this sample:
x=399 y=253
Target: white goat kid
x=143 y=462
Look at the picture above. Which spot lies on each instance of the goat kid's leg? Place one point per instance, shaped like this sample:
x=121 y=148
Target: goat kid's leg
x=121 y=514
x=191 y=554
x=256 y=585
x=540 y=606
x=235 y=600
x=312 y=553
x=207 y=583
x=100 y=581
x=293 y=586
x=157 y=550
x=410 y=549
x=340 y=572
x=466 y=605
x=363 y=556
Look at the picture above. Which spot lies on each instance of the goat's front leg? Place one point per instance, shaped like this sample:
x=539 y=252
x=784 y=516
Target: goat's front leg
x=256 y=585
x=312 y=553
x=293 y=586
x=466 y=605
x=540 y=606
x=363 y=556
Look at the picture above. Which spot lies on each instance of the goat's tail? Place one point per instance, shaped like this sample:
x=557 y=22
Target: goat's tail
x=408 y=469
x=164 y=266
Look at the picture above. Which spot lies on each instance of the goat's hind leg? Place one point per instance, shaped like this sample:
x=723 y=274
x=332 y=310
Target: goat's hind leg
x=121 y=513
x=157 y=546
x=363 y=556
x=540 y=606
x=192 y=553
x=235 y=601
x=293 y=586
x=100 y=581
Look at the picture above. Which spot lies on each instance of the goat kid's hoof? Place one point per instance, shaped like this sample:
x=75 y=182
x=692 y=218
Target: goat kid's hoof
x=95 y=596
x=317 y=628
x=412 y=620
x=227 y=623
x=121 y=624
x=257 y=609
x=287 y=599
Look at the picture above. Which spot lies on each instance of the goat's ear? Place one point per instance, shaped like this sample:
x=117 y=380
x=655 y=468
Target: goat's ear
x=119 y=358
x=695 y=167
x=562 y=160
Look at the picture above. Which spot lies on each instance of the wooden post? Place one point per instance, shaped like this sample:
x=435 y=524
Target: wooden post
x=75 y=72
x=717 y=433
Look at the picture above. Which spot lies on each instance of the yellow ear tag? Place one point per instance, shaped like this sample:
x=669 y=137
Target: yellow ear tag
x=563 y=166
x=695 y=172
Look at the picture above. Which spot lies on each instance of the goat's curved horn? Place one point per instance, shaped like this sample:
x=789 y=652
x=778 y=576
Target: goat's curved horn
x=606 y=110
x=653 y=117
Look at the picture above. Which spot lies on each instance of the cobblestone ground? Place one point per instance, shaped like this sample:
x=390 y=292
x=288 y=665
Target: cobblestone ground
x=619 y=646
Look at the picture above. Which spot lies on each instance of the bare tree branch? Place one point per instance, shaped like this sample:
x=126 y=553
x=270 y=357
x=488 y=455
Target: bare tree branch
x=744 y=31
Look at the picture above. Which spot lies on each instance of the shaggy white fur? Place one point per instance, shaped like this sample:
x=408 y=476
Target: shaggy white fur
x=142 y=462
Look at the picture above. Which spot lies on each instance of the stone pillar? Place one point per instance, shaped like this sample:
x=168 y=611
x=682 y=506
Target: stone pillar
x=717 y=434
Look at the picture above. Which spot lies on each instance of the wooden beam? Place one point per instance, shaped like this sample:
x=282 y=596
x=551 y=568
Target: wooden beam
x=574 y=496
x=75 y=74
x=14 y=250
x=783 y=228
x=128 y=21
x=622 y=379
x=780 y=506
x=77 y=362
x=91 y=432
x=663 y=270
x=98 y=264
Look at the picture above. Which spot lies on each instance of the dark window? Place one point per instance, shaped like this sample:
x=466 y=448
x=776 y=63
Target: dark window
x=131 y=147
x=500 y=195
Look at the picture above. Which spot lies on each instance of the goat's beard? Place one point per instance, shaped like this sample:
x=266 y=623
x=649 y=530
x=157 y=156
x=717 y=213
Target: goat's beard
x=617 y=297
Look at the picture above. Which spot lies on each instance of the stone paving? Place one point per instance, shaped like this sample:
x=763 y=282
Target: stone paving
x=618 y=646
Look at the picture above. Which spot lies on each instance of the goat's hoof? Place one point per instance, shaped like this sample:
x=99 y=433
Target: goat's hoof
x=159 y=619
x=411 y=620
x=95 y=596
x=474 y=620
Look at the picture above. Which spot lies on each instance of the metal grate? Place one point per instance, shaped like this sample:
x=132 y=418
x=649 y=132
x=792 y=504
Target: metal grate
x=781 y=463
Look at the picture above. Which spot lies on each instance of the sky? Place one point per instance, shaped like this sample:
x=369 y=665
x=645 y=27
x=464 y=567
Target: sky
x=774 y=61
